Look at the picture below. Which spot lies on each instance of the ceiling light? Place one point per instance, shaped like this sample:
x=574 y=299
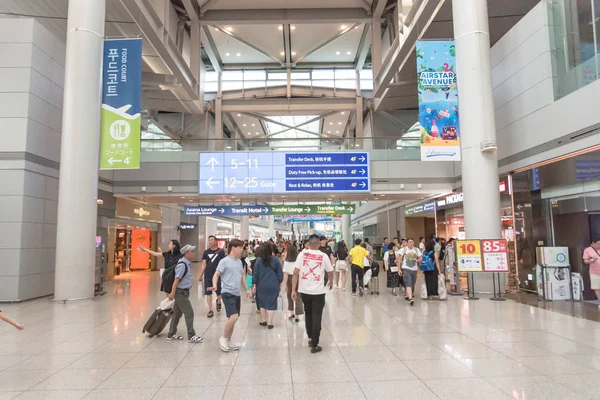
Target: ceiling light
x=249 y=133
x=280 y=27
x=343 y=26
x=331 y=123
x=337 y=131
x=266 y=142
x=239 y=54
x=293 y=53
x=343 y=112
x=328 y=131
x=382 y=195
x=356 y=145
x=293 y=27
x=244 y=125
x=239 y=115
x=183 y=197
x=282 y=53
x=233 y=197
x=229 y=29
x=227 y=54
x=228 y=147
x=337 y=53
x=348 y=52
x=339 y=123
x=257 y=133
x=283 y=197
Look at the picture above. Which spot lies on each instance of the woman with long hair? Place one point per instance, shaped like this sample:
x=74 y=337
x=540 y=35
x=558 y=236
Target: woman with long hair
x=296 y=308
x=431 y=277
x=266 y=280
x=341 y=265
x=391 y=267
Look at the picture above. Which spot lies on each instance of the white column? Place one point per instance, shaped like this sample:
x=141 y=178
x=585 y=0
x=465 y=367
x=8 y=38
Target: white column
x=376 y=56
x=80 y=147
x=477 y=125
x=219 y=144
x=346 y=231
x=245 y=228
x=271 y=227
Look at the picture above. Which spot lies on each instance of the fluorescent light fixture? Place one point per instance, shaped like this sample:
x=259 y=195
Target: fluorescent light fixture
x=243 y=124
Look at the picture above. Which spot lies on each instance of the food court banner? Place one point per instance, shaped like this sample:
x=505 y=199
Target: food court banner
x=438 y=101
x=121 y=97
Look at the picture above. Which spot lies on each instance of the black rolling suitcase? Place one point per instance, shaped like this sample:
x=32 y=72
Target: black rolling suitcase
x=157 y=322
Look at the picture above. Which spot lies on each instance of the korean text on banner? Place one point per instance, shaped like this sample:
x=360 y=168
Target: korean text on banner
x=121 y=98
x=468 y=255
x=495 y=255
x=438 y=101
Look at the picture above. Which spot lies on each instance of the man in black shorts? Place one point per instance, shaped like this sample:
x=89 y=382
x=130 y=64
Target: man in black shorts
x=210 y=261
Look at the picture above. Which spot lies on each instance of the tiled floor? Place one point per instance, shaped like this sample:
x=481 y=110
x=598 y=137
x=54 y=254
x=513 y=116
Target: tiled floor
x=374 y=348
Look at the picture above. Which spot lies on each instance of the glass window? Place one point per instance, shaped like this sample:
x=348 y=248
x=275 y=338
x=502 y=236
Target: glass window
x=345 y=74
x=366 y=84
x=323 y=83
x=233 y=75
x=301 y=82
x=254 y=84
x=278 y=75
x=232 y=85
x=366 y=74
x=345 y=84
x=322 y=74
x=255 y=75
x=211 y=76
x=300 y=75
x=211 y=87
x=274 y=83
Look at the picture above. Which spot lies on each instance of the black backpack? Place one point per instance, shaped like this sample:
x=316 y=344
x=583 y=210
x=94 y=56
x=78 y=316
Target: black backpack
x=374 y=269
x=168 y=277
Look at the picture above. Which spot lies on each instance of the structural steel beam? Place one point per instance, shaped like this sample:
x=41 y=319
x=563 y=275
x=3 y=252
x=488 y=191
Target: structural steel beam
x=143 y=13
x=363 y=48
x=285 y=16
x=378 y=8
x=404 y=44
x=244 y=42
x=294 y=104
x=211 y=50
x=325 y=43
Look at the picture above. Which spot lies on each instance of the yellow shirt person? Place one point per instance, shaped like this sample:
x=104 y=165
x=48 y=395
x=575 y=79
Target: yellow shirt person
x=357 y=255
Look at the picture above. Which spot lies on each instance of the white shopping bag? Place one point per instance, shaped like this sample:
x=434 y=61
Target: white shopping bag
x=424 y=291
x=367 y=277
x=166 y=304
x=162 y=271
x=200 y=291
x=279 y=303
x=443 y=293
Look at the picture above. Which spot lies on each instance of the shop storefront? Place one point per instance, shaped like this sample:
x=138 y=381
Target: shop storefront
x=420 y=220
x=557 y=204
x=135 y=225
x=450 y=222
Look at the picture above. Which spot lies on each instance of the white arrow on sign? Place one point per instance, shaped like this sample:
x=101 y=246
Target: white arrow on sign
x=362 y=158
x=307 y=209
x=210 y=182
x=112 y=161
x=212 y=163
x=363 y=185
x=351 y=209
x=222 y=210
x=266 y=210
x=362 y=171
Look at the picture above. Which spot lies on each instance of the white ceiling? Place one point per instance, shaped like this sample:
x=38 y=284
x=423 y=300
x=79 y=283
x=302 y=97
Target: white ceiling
x=278 y=4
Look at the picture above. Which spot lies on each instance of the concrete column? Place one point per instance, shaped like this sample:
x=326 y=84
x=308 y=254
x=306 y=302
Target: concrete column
x=346 y=230
x=477 y=125
x=245 y=228
x=271 y=227
x=80 y=146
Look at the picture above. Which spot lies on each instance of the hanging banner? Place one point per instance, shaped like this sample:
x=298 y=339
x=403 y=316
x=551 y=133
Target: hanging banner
x=121 y=97
x=438 y=101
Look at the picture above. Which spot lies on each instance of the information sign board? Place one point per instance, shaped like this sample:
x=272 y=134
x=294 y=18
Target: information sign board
x=468 y=254
x=495 y=255
x=208 y=211
x=280 y=172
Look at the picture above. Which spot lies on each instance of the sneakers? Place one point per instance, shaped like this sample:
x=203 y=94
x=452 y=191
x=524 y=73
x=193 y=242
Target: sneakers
x=354 y=294
x=344 y=289
x=316 y=349
x=196 y=339
x=174 y=337
x=412 y=302
x=234 y=346
x=361 y=291
x=224 y=343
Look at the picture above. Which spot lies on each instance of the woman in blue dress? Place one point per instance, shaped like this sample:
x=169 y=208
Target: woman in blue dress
x=266 y=280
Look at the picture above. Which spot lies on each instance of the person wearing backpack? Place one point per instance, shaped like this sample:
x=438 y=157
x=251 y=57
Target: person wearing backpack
x=180 y=292
x=409 y=257
x=429 y=266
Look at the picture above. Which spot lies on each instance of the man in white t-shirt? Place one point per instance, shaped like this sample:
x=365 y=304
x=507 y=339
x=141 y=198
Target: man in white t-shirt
x=311 y=267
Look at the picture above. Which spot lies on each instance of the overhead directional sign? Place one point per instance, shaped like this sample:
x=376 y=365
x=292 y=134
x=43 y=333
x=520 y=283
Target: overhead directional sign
x=202 y=211
x=318 y=209
x=279 y=172
x=313 y=209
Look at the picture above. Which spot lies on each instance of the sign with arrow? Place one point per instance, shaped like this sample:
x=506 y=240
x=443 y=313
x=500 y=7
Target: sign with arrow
x=318 y=209
x=278 y=172
x=207 y=211
x=313 y=209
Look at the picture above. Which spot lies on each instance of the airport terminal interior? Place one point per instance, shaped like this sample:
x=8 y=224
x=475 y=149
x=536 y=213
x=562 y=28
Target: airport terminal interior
x=300 y=199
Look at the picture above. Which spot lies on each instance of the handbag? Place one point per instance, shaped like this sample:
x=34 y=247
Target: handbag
x=394 y=269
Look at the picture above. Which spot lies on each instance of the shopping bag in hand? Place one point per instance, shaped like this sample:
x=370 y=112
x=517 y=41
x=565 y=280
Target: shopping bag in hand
x=279 y=303
x=424 y=291
x=442 y=288
x=166 y=304
x=367 y=277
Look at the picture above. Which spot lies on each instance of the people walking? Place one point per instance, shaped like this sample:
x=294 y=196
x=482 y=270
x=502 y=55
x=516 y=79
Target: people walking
x=391 y=267
x=409 y=258
x=309 y=277
x=180 y=292
x=341 y=265
x=210 y=260
x=591 y=256
x=295 y=307
x=266 y=281
x=431 y=276
x=233 y=278
x=171 y=257
x=356 y=259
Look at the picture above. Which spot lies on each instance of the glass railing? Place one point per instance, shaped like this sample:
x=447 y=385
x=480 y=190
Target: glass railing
x=382 y=148
x=408 y=145
x=574 y=40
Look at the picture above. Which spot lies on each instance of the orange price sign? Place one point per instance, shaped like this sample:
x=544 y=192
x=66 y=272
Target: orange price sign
x=468 y=254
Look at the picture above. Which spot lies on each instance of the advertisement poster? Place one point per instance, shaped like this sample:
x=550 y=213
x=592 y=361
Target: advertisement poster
x=495 y=255
x=438 y=101
x=120 y=131
x=468 y=256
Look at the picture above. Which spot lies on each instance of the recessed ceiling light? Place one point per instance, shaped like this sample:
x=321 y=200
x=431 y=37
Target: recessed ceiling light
x=293 y=53
x=229 y=147
x=283 y=197
x=280 y=27
x=343 y=112
x=183 y=197
x=382 y=195
x=339 y=123
x=356 y=145
x=331 y=123
x=343 y=26
x=229 y=29
x=282 y=53
x=337 y=53
x=239 y=54
x=328 y=131
x=249 y=133
x=257 y=133
x=293 y=27
x=337 y=131
x=239 y=115
x=266 y=142
x=348 y=52
x=244 y=125
x=227 y=54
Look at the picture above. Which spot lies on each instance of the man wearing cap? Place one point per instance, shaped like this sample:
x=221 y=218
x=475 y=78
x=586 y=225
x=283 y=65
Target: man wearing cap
x=181 y=294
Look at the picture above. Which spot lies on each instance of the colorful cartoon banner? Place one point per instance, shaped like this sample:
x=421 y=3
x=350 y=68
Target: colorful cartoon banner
x=438 y=101
x=120 y=131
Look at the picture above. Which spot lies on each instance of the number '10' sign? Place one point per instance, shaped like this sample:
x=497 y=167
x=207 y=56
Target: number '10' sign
x=488 y=255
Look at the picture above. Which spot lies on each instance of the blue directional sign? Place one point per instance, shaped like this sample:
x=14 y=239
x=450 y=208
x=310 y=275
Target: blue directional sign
x=207 y=211
x=280 y=172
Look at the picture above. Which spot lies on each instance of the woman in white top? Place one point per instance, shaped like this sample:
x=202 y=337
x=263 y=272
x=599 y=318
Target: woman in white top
x=409 y=257
x=288 y=271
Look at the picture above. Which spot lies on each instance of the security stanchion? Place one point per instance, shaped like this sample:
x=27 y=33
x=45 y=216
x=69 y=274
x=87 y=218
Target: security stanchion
x=470 y=287
x=497 y=292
